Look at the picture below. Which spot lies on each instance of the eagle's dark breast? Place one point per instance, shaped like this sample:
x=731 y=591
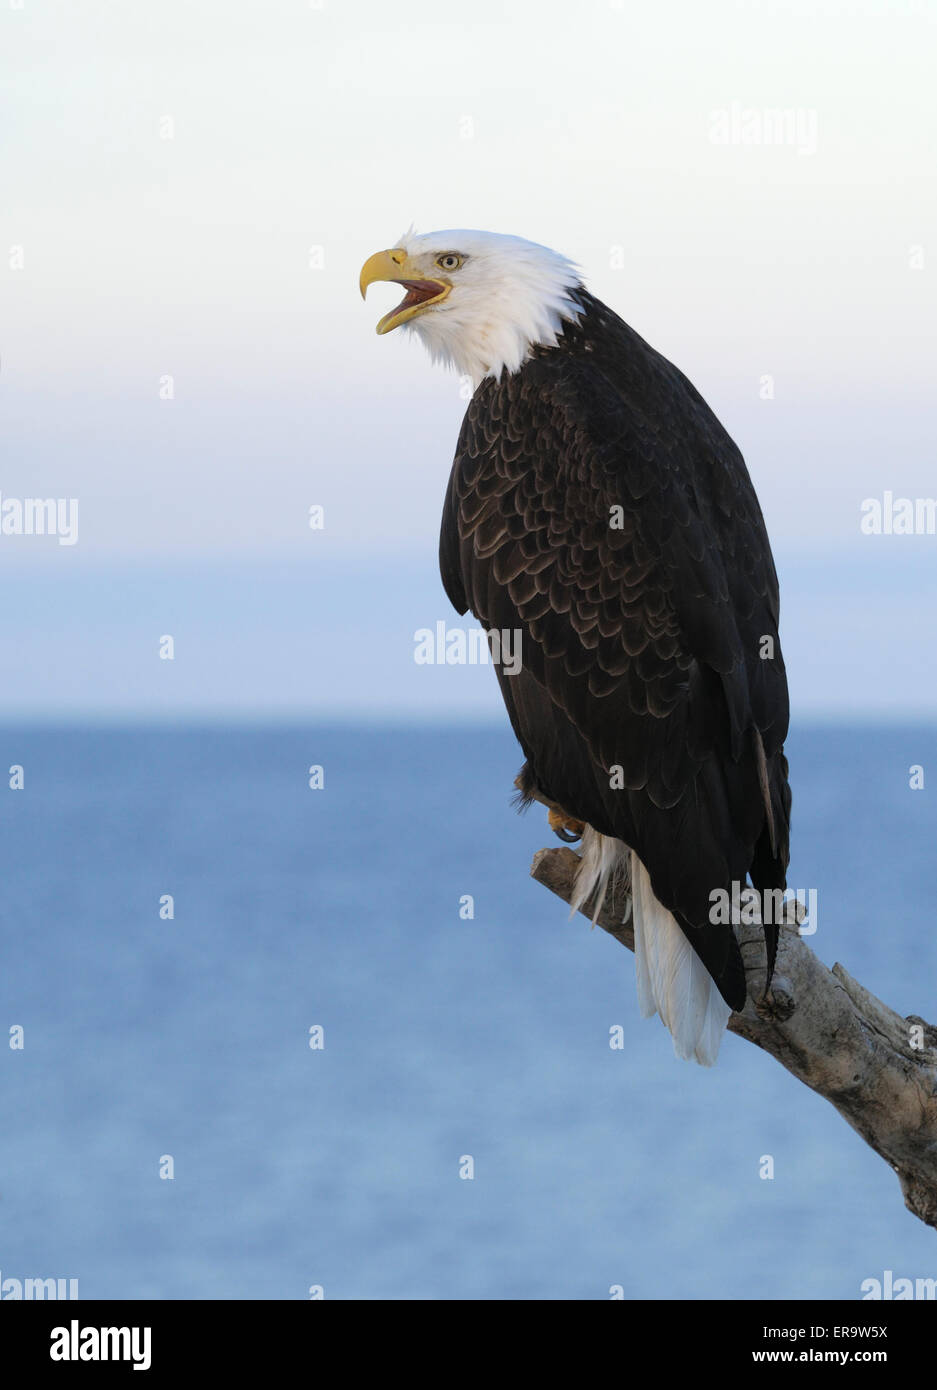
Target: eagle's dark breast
x=597 y=505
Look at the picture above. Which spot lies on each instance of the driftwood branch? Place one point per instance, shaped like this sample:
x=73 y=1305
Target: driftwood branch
x=878 y=1069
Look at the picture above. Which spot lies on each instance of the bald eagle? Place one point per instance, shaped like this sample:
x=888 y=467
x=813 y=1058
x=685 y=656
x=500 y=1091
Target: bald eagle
x=597 y=506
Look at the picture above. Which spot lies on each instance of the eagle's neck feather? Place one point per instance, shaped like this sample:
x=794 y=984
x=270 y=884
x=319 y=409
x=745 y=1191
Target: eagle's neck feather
x=523 y=300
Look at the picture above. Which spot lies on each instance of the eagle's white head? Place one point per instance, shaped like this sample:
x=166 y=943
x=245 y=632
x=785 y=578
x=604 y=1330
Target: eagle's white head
x=480 y=301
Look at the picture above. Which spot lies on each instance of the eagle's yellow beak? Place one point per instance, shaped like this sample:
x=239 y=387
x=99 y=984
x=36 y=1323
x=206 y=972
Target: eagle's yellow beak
x=395 y=265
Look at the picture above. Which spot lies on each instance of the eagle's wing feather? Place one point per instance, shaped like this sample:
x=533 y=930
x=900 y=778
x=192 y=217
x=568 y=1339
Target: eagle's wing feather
x=643 y=629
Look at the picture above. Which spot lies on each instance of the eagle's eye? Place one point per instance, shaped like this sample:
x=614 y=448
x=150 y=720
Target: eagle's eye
x=449 y=261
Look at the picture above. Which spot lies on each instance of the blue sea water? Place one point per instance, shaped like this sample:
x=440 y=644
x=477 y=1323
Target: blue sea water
x=444 y=1037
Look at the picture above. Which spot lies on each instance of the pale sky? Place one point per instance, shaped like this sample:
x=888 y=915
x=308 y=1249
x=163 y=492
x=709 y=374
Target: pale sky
x=189 y=190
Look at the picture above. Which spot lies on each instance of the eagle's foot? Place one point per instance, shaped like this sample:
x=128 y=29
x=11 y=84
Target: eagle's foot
x=564 y=826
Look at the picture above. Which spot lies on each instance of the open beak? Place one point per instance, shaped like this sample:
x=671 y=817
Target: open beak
x=396 y=267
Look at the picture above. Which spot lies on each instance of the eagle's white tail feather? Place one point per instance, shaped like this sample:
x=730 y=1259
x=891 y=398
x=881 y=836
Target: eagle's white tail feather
x=672 y=980
x=603 y=860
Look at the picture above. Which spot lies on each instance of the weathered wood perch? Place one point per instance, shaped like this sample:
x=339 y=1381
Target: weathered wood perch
x=878 y=1069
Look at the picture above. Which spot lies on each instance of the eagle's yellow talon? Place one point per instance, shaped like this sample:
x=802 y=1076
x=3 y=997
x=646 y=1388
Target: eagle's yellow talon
x=566 y=827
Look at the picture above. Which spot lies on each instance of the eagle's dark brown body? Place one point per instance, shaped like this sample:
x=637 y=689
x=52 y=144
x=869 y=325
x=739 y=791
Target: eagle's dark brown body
x=650 y=645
